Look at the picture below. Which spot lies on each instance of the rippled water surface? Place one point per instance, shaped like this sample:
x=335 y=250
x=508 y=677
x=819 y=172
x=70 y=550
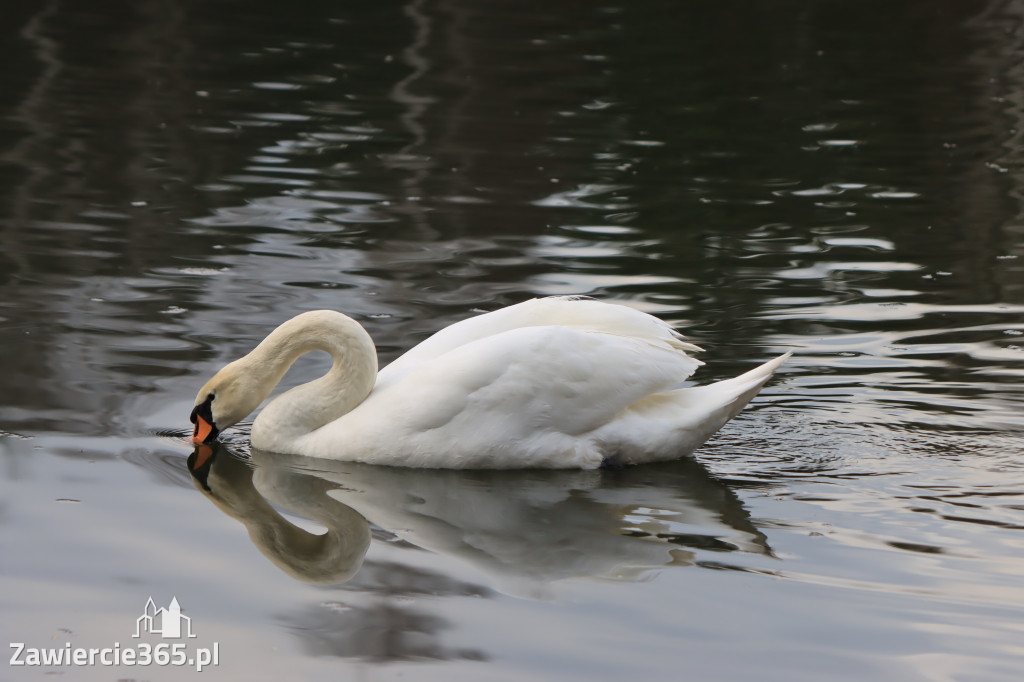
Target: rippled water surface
x=840 y=179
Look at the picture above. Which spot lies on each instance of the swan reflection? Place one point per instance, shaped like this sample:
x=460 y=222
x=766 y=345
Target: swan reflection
x=330 y=558
x=523 y=528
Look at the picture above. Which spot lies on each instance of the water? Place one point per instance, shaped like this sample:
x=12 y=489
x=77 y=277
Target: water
x=839 y=179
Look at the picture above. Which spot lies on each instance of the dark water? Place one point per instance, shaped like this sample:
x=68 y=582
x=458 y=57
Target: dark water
x=842 y=179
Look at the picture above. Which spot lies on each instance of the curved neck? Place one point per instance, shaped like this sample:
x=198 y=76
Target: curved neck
x=306 y=408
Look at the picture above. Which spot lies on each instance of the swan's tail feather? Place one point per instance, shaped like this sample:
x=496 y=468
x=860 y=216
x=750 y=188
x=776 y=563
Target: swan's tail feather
x=730 y=396
x=755 y=378
x=675 y=423
x=715 y=404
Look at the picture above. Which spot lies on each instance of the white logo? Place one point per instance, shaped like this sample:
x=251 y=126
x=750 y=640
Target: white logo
x=164 y=622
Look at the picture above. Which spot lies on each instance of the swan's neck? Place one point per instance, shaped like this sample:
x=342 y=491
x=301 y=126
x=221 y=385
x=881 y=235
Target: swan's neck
x=307 y=407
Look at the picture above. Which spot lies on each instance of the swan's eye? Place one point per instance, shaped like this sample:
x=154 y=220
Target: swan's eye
x=203 y=409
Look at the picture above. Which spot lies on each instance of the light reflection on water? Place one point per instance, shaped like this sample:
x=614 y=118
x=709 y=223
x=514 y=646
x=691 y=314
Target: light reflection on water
x=181 y=178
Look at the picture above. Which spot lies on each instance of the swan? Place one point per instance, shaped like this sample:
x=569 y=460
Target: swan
x=557 y=382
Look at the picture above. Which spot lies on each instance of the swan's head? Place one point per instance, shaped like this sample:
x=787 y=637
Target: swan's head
x=226 y=399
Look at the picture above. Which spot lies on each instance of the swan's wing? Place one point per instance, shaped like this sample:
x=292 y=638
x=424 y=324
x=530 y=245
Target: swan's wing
x=521 y=384
x=565 y=311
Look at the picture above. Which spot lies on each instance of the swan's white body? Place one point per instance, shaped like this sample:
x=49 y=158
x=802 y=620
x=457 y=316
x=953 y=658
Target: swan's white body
x=552 y=383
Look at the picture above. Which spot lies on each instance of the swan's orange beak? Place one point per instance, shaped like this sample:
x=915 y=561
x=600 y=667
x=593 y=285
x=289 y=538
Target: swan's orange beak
x=205 y=431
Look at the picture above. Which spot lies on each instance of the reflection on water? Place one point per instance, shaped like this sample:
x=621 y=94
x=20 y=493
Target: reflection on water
x=843 y=179
x=523 y=529
x=527 y=528
x=333 y=557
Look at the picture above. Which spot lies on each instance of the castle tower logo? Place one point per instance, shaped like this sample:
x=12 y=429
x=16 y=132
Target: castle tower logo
x=169 y=623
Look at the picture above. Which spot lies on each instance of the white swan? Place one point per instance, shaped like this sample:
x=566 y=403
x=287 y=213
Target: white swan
x=561 y=382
